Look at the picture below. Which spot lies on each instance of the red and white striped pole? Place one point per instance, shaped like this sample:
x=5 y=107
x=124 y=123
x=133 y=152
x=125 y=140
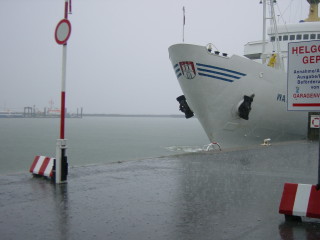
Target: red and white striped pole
x=67 y=7
x=62 y=34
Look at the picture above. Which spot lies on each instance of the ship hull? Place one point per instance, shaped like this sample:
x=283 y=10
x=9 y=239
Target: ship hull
x=215 y=86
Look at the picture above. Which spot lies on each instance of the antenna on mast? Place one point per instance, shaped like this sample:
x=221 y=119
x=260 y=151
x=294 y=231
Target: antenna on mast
x=70 y=7
x=184 y=22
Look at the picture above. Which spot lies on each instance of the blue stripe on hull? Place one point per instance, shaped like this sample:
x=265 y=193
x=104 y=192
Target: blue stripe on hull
x=205 y=70
x=216 y=77
x=222 y=69
x=219 y=73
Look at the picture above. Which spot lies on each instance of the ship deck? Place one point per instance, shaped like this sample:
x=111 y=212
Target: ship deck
x=232 y=194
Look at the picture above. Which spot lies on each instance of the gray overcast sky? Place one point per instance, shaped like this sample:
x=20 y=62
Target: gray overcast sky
x=118 y=50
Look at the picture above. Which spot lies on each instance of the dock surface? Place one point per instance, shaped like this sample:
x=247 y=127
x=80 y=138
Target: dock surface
x=232 y=194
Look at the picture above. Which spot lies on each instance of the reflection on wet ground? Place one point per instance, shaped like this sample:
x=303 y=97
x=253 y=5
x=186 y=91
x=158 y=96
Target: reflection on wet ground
x=303 y=230
x=232 y=194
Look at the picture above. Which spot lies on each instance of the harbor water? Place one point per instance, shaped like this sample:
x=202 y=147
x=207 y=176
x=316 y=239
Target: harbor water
x=149 y=191
x=96 y=140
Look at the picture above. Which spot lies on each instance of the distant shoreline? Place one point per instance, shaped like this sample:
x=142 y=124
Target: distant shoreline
x=22 y=115
x=132 y=115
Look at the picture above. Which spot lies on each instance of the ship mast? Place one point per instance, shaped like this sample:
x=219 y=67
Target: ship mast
x=275 y=26
x=313 y=11
x=264 y=31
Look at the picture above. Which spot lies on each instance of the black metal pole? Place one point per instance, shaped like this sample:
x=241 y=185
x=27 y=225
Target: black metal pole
x=64 y=165
x=318 y=185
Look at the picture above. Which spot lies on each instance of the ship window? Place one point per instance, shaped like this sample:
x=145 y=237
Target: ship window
x=312 y=36
x=305 y=36
x=273 y=39
x=292 y=37
x=318 y=36
x=285 y=38
x=299 y=37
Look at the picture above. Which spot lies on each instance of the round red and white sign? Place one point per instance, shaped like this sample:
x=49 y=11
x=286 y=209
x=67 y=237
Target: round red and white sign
x=63 y=31
x=315 y=122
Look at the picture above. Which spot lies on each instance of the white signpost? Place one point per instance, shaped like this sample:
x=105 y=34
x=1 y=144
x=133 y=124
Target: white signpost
x=304 y=80
x=61 y=35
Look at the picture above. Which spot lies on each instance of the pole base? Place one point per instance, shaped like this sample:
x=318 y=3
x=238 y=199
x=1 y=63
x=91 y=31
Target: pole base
x=61 y=166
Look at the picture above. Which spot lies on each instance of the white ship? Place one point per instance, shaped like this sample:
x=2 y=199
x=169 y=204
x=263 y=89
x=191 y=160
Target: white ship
x=242 y=99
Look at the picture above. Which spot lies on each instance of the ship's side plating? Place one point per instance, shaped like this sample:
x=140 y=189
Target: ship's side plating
x=218 y=88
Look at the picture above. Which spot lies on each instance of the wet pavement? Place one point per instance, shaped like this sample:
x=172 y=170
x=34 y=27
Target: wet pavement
x=233 y=194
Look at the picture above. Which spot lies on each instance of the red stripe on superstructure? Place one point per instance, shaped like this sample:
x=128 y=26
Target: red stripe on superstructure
x=313 y=210
x=288 y=198
x=44 y=166
x=35 y=161
x=306 y=104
